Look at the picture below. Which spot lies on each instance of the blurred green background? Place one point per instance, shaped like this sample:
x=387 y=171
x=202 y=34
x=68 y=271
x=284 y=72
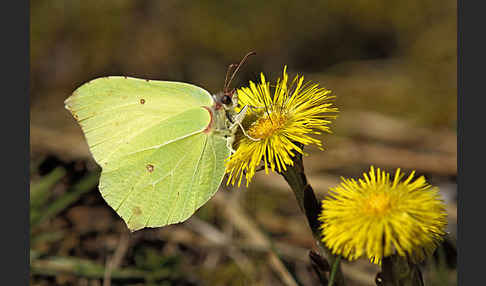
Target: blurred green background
x=391 y=64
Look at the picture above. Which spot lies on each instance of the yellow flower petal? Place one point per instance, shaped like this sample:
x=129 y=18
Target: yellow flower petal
x=377 y=217
x=278 y=121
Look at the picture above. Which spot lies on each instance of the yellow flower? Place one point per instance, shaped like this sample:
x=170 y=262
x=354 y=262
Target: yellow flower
x=276 y=124
x=377 y=217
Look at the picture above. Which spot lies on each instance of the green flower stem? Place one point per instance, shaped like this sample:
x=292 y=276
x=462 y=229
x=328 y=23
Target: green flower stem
x=397 y=271
x=334 y=270
x=310 y=206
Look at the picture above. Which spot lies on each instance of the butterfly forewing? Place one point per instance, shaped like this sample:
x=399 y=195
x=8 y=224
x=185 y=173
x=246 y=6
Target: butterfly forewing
x=112 y=111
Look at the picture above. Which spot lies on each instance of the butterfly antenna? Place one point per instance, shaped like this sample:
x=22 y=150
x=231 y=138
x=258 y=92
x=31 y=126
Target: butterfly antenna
x=230 y=68
x=227 y=82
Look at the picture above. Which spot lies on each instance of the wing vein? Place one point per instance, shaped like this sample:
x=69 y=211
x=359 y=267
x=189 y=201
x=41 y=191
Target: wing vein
x=178 y=196
x=194 y=173
x=133 y=136
x=140 y=179
x=215 y=158
x=165 y=143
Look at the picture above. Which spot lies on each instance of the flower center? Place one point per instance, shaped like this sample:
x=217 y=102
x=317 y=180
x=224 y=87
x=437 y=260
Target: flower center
x=266 y=126
x=377 y=204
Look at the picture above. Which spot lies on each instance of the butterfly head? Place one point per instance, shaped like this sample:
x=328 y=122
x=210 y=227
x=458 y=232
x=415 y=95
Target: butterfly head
x=228 y=98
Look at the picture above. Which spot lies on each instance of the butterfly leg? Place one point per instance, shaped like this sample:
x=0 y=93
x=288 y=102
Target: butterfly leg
x=229 y=135
x=238 y=118
x=255 y=108
x=246 y=134
x=229 y=143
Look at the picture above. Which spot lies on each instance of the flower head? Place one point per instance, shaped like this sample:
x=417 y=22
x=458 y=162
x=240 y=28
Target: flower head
x=377 y=217
x=276 y=123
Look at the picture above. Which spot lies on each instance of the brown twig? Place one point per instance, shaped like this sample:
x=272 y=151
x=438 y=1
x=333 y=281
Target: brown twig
x=397 y=271
x=115 y=261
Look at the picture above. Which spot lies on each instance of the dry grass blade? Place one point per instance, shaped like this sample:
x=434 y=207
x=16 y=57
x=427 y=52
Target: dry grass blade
x=217 y=237
x=233 y=212
x=86 y=184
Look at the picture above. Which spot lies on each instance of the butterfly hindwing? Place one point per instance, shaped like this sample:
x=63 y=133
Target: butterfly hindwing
x=170 y=184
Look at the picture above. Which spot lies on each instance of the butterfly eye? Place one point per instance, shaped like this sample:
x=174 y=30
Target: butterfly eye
x=226 y=99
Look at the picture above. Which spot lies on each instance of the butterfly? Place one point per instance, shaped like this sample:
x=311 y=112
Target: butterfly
x=162 y=145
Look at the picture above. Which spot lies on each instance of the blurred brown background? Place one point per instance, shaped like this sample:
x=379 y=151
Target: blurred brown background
x=391 y=64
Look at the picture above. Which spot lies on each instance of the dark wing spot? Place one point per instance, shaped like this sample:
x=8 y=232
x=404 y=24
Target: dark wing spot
x=142 y=101
x=150 y=168
x=137 y=211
